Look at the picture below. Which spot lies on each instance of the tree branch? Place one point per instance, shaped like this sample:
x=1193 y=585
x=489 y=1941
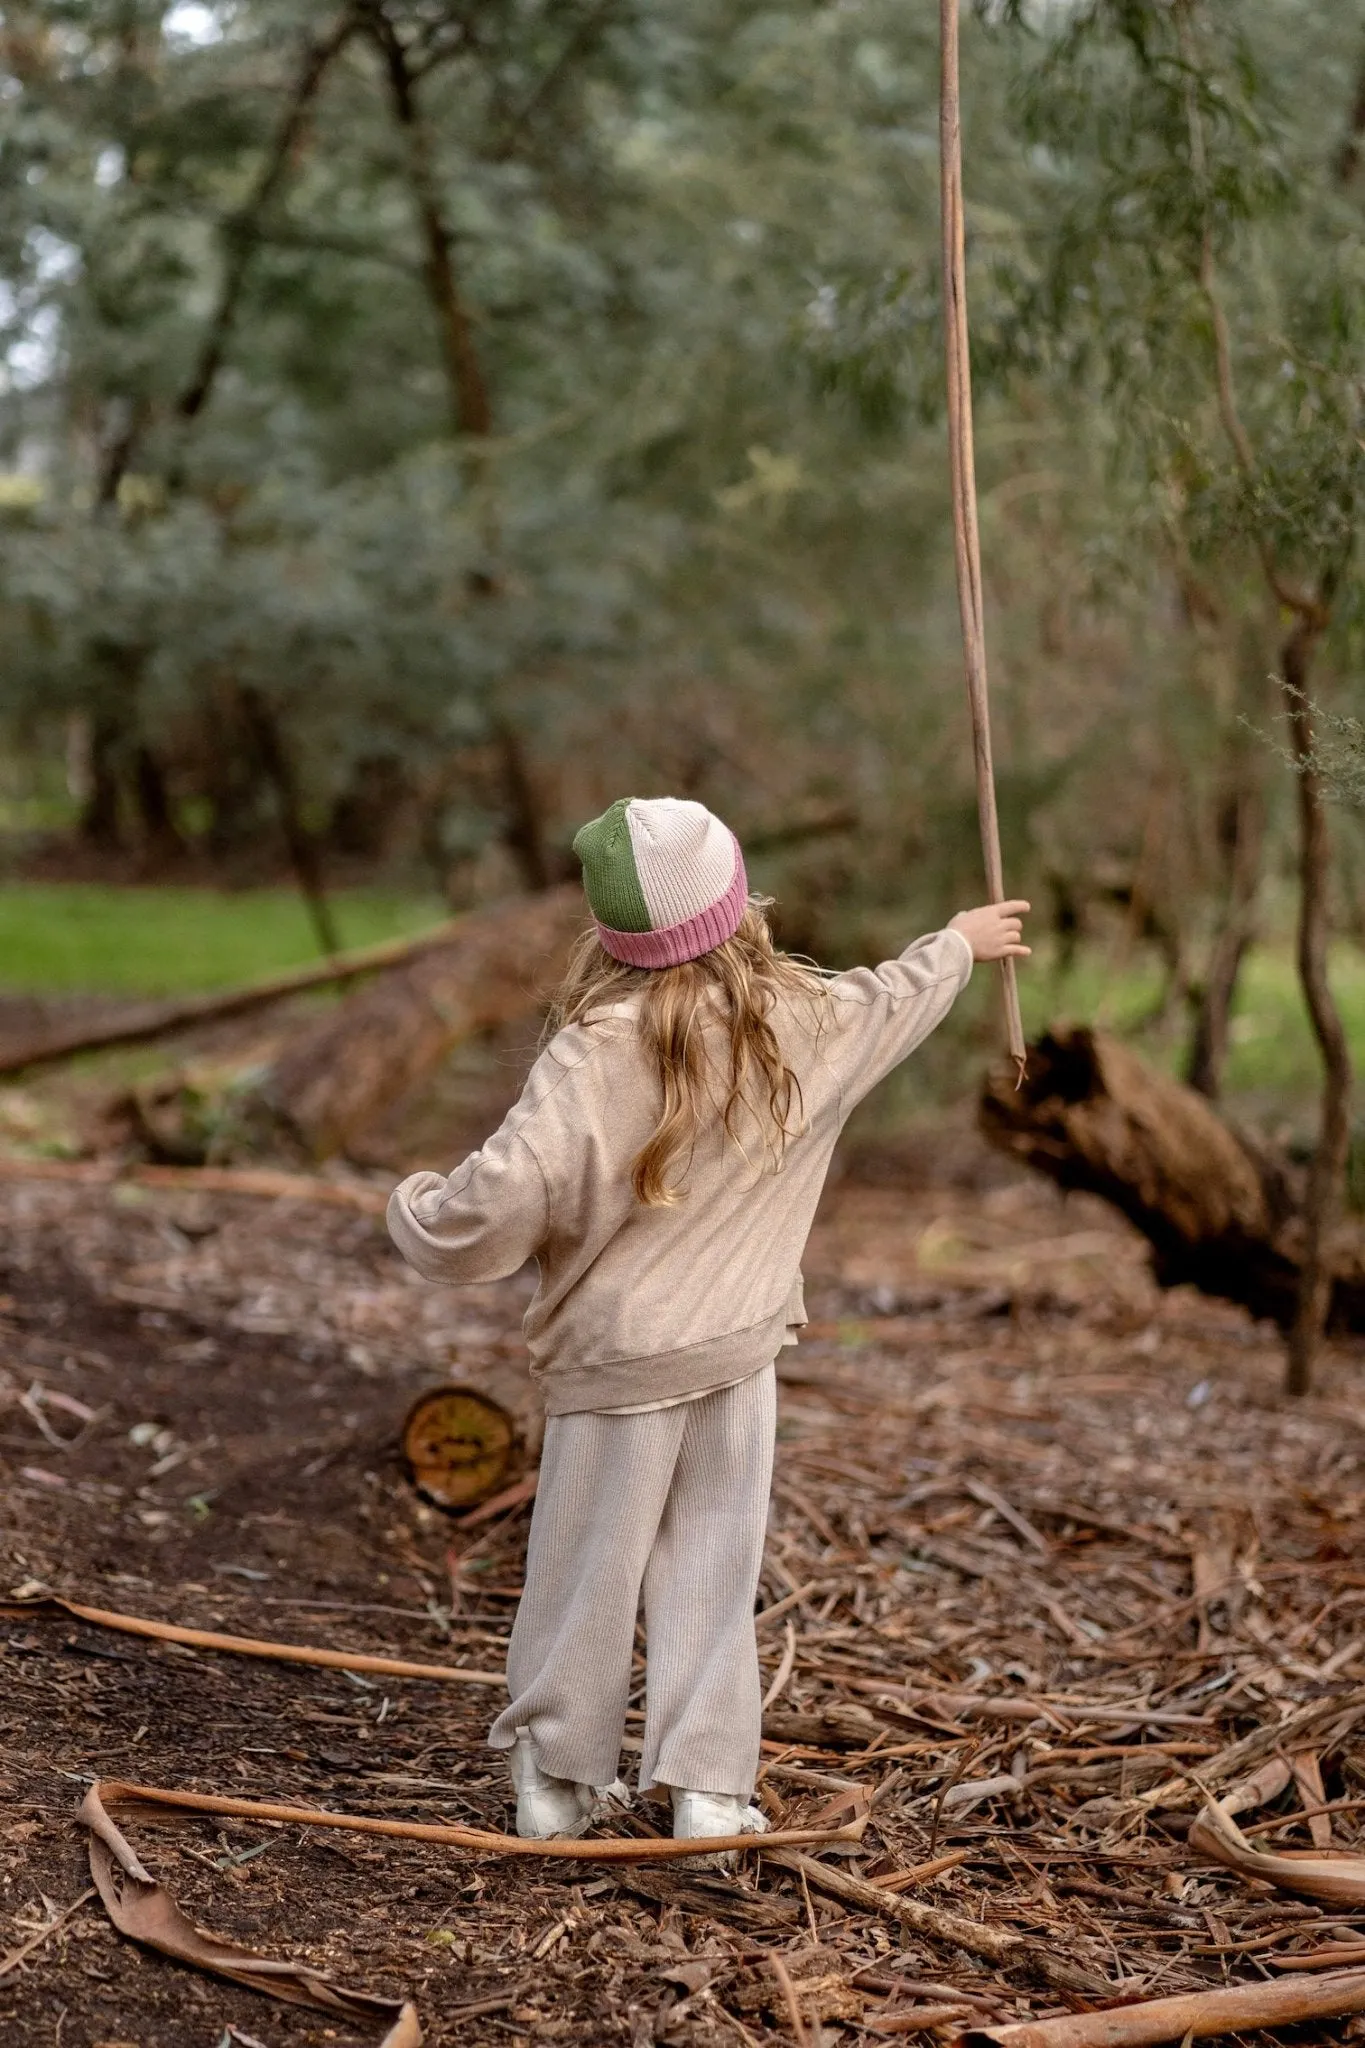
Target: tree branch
x=242 y=232
x=471 y=411
x=592 y=19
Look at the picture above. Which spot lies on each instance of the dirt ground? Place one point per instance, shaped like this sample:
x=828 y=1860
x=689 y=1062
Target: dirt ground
x=1044 y=1543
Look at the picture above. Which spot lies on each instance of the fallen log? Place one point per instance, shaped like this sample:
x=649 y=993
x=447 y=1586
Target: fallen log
x=262 y=1181
x=1219 y=1214
x=336 y=1077
x=140 y=1023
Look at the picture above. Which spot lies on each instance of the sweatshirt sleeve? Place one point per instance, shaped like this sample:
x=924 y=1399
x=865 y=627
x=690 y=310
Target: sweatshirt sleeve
x=481 y=1223
x=882 y=1013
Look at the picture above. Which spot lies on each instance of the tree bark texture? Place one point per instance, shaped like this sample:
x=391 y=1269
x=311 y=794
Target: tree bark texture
x=1219 y=1216
x=1328 y=1171
x=341 y=1074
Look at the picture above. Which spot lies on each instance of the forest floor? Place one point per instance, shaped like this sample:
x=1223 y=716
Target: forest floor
x=1045 y=1544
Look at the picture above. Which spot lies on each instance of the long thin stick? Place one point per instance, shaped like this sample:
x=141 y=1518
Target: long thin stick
x=114 y=1795
x=962 y=467
x=254 y=1646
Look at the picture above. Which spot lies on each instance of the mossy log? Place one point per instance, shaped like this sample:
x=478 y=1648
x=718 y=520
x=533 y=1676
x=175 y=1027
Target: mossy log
x=1220 y=1214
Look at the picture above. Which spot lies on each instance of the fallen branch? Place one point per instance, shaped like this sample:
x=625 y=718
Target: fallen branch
x=953 y=1928
x=261 y=1181
x=151 y=1802
x=1191 y=2016
x=141 y=1022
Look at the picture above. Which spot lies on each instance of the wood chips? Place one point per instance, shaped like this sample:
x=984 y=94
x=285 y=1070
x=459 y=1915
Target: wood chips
x=1066 y=1605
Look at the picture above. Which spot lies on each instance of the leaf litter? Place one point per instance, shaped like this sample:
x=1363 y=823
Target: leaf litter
x=1061 y=1601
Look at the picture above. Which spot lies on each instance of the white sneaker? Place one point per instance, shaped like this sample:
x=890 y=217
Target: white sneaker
x=699 y=1814
x=549 y=1807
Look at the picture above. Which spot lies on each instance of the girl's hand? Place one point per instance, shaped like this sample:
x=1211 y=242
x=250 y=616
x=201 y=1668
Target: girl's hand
x=994 y=931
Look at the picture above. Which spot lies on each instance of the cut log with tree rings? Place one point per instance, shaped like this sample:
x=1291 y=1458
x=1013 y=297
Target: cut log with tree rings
x=459 y=1445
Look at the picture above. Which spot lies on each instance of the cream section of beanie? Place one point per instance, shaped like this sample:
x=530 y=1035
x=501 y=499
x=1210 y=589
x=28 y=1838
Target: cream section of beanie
x=684 y=857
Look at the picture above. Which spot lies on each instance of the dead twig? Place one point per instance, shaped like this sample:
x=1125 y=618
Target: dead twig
x=938 y=1925
x=788 y=1990
x=17 y=1955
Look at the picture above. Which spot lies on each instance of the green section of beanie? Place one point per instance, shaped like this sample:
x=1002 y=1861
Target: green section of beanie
x=610 y=880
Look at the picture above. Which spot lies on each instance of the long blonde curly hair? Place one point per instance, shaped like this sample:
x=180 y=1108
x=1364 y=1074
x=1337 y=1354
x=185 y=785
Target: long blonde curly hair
x=738 y=985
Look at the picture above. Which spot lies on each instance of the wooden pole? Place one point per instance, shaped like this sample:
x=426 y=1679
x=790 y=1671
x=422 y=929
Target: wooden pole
x=962 y=468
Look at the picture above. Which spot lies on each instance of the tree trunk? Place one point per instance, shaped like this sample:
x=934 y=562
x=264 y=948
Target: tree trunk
x=101 y=821
x=471 y=412
x=304 y=855
x=241 y=232
x=1241 y=843
x=1242 y=840
x=340 y=1075
x=523 y=833
x=1327 y=1174
x=1219 y=1216
x=154 y=804
x=365 y=816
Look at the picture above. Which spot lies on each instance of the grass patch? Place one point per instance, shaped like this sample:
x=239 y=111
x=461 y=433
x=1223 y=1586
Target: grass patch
x=59 y=938
x=1273 y=1058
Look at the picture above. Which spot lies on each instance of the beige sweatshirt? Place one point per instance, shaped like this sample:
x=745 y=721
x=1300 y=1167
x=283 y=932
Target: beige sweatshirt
x=638 y=1304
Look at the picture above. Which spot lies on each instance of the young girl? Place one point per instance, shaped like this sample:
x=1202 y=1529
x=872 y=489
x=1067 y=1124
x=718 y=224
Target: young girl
x=662 y=1168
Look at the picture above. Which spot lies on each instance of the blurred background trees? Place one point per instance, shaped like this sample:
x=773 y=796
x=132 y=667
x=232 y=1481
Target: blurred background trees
x=423 y=421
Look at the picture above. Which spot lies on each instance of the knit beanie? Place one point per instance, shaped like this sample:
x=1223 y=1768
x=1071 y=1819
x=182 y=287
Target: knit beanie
x=664 y=880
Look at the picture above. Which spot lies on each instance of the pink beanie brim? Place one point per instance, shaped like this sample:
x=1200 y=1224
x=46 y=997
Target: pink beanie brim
x=677 y=943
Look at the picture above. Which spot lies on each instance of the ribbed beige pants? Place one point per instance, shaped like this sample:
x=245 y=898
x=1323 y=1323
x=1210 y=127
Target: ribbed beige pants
x=673 y=1504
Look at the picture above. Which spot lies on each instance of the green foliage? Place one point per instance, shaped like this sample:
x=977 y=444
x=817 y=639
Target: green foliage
x=705 y=545
x=1182 y=175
